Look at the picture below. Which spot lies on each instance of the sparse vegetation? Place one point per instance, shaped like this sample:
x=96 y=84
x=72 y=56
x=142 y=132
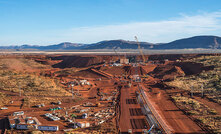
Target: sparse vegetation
x=192 y=107
x=106 y=127
x=4 y=99
x=39 y=88
x=209 y=81
x=206 y=116
x=21 y=64
x=212 y=122
x=30 y=85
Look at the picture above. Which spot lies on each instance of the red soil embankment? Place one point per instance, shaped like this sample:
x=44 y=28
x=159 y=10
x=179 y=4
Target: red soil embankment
x=191 y=68
x=47 y=62
x=102 y=73
x=80 y=61
x=149 y=68
x=115 y=70
x=76 y=61
x=135 y=70
x=171 y=70
x=167 y=71
x=88 y=73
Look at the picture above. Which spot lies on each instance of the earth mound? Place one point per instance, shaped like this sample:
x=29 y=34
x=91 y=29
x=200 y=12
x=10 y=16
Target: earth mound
x=135 y=70
x=176 y=69
x=80 y=61
x=191 y=68
x=47 y=62
x=167 y=72
x=118 y=70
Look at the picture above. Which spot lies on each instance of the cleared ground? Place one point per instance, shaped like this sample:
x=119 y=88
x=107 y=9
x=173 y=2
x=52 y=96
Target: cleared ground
x=43 y=79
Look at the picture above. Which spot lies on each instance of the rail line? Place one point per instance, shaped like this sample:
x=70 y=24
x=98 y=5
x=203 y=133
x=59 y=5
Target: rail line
x=151 y=114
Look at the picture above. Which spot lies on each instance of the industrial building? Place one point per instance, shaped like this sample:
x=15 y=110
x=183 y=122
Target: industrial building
x=21 y=122
x=48 y=128
x=124 y=61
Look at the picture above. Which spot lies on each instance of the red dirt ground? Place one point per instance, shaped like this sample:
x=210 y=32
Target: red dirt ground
x=179 y=122
x=130 y=116
x=210 y=104
x=113 y=70
x=129 y=113
x=167 y=72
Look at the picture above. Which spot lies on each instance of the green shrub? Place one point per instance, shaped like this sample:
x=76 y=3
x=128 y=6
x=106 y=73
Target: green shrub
x=213 y=111
x=192 y=112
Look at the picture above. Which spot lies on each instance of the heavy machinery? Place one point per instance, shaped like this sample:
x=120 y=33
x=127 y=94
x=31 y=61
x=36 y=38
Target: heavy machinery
x=116 y=54
x=141 y=52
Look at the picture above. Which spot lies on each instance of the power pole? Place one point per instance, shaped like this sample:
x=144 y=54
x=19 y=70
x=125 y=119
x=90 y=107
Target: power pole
x=191 y=91
x=66 y=112
x=202 y=88
x=72 y=85
x=141 y=51
x=19 y=89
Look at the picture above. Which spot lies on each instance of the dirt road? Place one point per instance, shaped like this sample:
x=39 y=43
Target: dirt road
x=174 y=117
x=131 y=116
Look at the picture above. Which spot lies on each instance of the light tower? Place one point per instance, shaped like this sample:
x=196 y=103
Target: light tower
x=72 y=85
x=19 y=85
x=191 y=90
x=19 y=89
x=202 y=89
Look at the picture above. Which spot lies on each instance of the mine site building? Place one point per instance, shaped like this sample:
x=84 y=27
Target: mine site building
x=48 y=128
x=22 y=126
x=26 y=126
x=83 y=124
x=4 y=108
x=18 y=113
x=124 y=61
x=117 y=64
x=84 y=82
x=21 y=122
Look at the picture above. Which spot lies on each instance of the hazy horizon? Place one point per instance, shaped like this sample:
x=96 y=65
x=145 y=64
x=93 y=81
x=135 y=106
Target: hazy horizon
x=104 y=40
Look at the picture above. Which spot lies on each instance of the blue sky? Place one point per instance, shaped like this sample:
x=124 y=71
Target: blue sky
x=46 y=22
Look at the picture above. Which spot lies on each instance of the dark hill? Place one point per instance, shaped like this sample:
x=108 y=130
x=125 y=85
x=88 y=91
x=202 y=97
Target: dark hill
x=204 y=42
x=122 y=44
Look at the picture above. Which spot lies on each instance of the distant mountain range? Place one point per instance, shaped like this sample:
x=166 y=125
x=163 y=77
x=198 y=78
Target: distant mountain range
x=204 y=42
